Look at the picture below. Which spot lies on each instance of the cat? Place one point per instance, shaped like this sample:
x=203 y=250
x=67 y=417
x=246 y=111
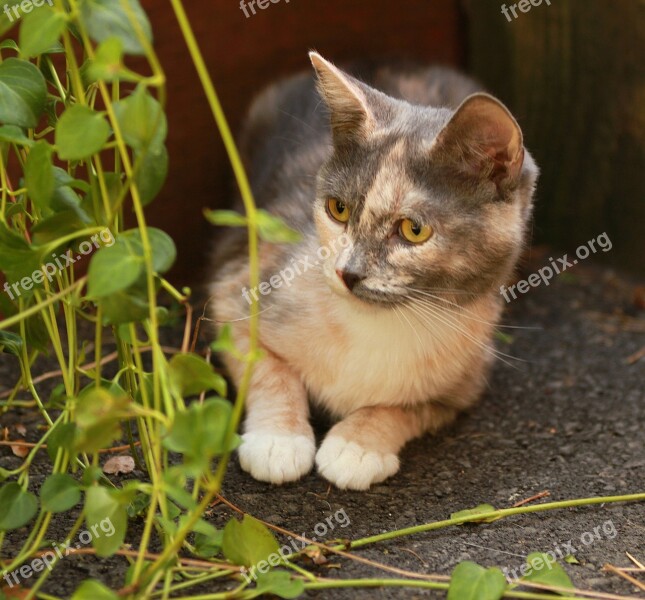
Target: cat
x=412 y=201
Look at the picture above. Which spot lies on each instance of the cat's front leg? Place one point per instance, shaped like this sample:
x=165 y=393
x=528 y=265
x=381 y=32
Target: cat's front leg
x=278 y=443
x=363 y=448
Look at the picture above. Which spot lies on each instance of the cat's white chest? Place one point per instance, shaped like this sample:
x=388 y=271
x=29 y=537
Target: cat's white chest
x=355 y=357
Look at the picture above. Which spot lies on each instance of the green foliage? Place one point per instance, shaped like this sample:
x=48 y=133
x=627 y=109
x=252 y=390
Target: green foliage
x=18 y=506
x=104 y=19
x=248 y=542
x=200 y=433
x=40 y=31
x=80 y=132
x=107 y=64
x=191 y=374
x=98 y=419
x=474 y=513
x=278 y=583
x=39 y=174
x=10 y=343
x=102 y=504
x=93 y=590
x=544 y=570
x=22 y=93
x=270 y=228
x=60 y=493
x=469 y=581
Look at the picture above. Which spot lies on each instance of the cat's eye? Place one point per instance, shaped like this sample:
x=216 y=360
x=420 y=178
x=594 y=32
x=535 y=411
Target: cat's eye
x=338 y=210
x=413 y=232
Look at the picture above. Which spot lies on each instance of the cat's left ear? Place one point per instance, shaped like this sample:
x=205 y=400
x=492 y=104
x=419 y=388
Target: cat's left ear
x=483 y=140
x=346 y=98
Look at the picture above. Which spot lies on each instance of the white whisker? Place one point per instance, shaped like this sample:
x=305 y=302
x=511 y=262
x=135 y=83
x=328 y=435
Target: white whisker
x=449 y=321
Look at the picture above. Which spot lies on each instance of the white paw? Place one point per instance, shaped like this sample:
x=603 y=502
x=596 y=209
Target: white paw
x=276 y=458
x=350 y=466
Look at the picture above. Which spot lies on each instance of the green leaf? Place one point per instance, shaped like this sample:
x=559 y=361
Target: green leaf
x=39 y=174
x=224 y=341
x=199 y=433
x=141 y=120
x=208 y=546
x=190 y=374
x=104 y=19
x=7 y=44
x=275 y=230
x=175 y=482
x=225 y=218
x=17 y=258
x=152 y=173
x=60 y=493
x=80 y=132
x=14 y=135
x=202 y=526
x=40 y=30
x=126 y=306
x=91 y=589
x=126 y=258
x=571 y=560
x=544 y=570
x=58 y=225
x=63 y=436
x=278 y=583
x=98 y=416
x=248 y=542
x=163 y=248
x=18 y=506
x=91 y=476
x=107 y=64
x=103 y=505
x=22 y=93
x=119 y=258
x=478 y=510
x=139 y=505
x=469 y=581
x=10 y=343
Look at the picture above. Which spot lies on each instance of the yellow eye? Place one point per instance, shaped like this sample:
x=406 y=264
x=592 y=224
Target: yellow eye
x=338 y=210
x=413 y=232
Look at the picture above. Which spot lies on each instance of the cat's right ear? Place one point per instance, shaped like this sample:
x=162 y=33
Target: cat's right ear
x=351 y=117
x=483 y=140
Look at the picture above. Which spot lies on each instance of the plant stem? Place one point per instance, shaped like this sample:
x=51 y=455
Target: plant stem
x=497 y=514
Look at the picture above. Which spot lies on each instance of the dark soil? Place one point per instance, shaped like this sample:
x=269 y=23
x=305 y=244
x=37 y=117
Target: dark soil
x=570 y=420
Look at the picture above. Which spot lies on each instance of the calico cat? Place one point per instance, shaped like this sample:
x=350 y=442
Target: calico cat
x=413 y=201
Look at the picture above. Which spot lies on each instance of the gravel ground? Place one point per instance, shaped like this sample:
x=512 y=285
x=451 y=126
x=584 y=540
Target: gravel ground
x=570 y=421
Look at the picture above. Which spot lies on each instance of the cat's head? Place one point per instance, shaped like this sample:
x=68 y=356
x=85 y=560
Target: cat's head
x=429 y=198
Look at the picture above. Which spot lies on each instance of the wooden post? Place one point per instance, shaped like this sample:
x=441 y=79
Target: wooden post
x=573 y=72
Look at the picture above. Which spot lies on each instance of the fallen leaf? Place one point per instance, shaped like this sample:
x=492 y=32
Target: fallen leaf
x=15 y=592
x=119 y=464
x=316 y=555
x=634 y=358
x=21 y=429
x=19 y=449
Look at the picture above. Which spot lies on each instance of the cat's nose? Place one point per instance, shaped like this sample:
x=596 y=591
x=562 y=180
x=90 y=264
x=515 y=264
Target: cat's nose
x=349 y=278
